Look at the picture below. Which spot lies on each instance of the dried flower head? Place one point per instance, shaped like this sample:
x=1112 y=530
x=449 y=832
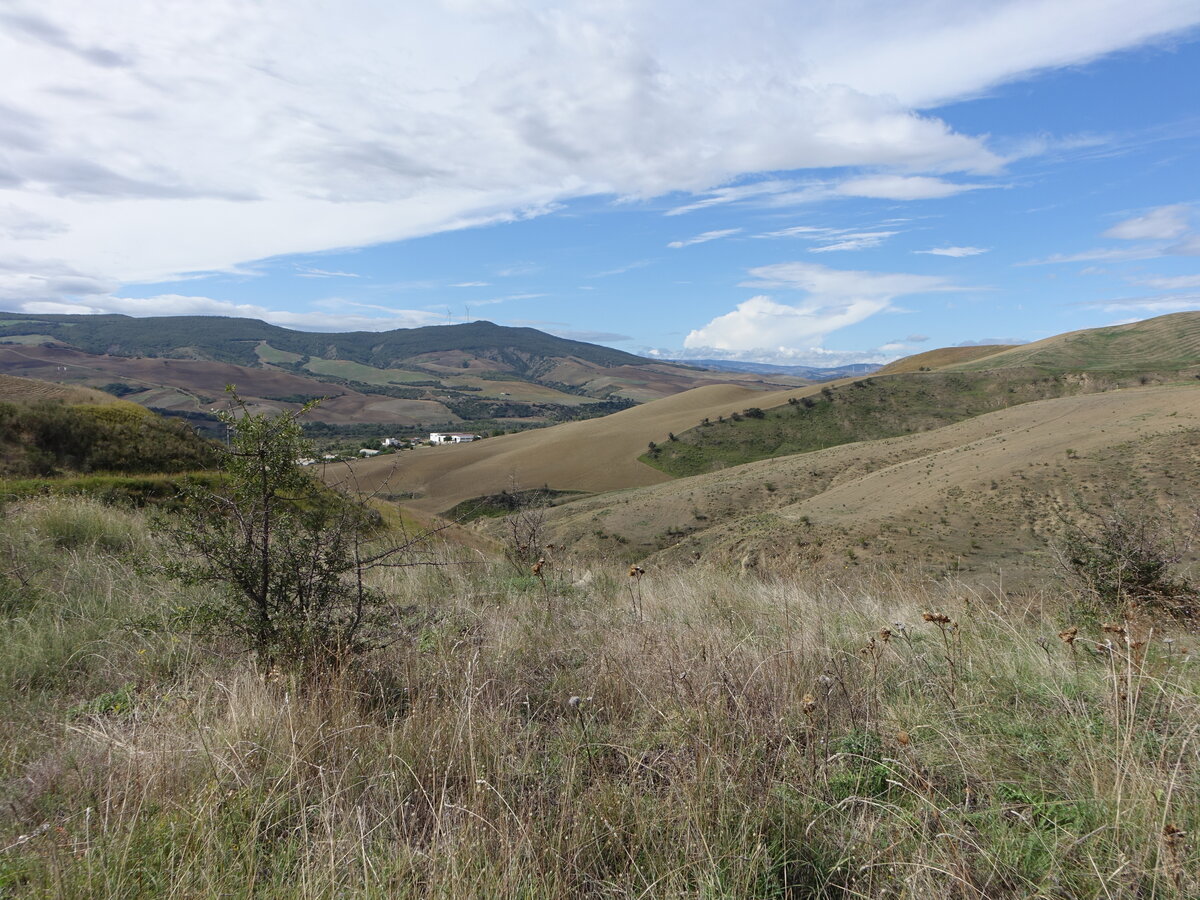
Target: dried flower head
x=936 y=618
x=1068 y=636
x=537 y=566
x=902 y=738
x=808 y=704
x=636 y=571
x=1112 y=629
x=885 y=634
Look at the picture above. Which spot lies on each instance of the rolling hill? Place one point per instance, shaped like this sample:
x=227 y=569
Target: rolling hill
x=1169 y=343
x=593 y=455
x=437 y=376
x=977 y=497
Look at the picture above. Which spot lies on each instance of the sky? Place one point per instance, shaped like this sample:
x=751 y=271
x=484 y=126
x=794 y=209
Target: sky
x=792 y=183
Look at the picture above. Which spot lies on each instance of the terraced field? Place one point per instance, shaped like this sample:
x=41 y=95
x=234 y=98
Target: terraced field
x=1165 y=343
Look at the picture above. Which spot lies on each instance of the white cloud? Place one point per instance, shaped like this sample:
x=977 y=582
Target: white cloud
x=703 y=238
x=1109 y=254
x=1158 y=304
x=902 y=187
x=735 y=193
x=1169 y=283
x=306 y=272
x=1189 y=246
x=182 y=305
x=956 y=252
x=836 y=298
x=1161 y=224
x=855 y=241
x=160 y=138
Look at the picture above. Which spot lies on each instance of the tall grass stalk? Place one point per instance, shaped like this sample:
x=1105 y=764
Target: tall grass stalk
x=731 y=740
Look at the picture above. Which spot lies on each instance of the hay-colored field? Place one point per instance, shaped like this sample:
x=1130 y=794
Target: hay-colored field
x=523 y=391
x=592 y=455
x=973 y=494
x=644 y=383
x=344 y=368
x=945 y=356
x=29 y=340
x=269 y=354
x=15 y=388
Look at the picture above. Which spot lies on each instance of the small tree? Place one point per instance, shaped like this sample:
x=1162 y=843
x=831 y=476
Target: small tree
x=1125 y=560
x=287 y=555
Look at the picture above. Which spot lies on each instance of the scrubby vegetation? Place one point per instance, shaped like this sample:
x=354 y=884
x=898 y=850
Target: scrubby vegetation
x=47 y=437
x=864 y=410
x=737 y=737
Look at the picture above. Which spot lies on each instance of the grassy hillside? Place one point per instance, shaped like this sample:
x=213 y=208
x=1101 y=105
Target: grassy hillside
x=858 y=737
x=13 y=388
x=975 y=497
x=1164 y=344
x=945 y=356
x=867 y=409
x=50 y=438
x=592 y=455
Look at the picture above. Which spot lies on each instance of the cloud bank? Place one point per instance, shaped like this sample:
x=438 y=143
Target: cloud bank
x=141 y=142
x=762 y=327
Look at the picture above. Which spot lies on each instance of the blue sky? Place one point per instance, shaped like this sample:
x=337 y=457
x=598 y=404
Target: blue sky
x=809 y=186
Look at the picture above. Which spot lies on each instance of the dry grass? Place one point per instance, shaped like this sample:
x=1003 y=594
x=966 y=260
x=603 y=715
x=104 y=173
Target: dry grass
x=591 y=455
x=527 y=738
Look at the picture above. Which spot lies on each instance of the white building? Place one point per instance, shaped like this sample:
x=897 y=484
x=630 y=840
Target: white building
x=451 y=437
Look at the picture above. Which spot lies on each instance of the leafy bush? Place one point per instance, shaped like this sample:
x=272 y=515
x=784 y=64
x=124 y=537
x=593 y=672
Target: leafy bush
x=286 y=554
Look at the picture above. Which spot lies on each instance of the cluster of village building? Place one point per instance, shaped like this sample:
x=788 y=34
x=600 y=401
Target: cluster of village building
x=394 y=443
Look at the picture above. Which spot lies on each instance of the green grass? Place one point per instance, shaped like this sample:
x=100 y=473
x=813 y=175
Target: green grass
x=269 y=354
x=1163 y=344
x=343 y=368
x=740 y=738
x=869 y=409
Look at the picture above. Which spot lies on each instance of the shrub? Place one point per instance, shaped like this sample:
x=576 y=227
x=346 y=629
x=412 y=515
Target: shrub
x=1125 y=560
x=287 y=555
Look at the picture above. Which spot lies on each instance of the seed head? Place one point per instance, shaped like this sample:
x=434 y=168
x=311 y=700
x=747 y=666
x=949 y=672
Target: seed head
x=936 y=618
x=1113 y=629
x=808 y=704
x=636 y=571
x=902 y=738
x=1068 y=636
x=537 y=566
x=885 y=634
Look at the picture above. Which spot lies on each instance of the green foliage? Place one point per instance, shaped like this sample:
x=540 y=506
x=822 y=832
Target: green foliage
x=48 y=438
x=870 y=409
x=236 y=340
x=286 y=555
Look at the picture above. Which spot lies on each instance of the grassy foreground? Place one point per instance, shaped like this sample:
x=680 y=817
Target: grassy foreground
x=540 y=739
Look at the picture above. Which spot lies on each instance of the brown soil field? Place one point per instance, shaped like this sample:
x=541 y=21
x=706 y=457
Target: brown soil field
x=200 y=385
x=591 y=455
x=975 y=496
x=16 y=388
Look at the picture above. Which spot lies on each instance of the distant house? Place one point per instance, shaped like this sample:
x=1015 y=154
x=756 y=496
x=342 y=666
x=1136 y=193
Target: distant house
x=367 y=451
x=451 y=437
x=392 y=442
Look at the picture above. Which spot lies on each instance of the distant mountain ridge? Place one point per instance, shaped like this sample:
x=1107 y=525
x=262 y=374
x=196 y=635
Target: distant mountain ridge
x=811 y=373
x=438 y=375
x=233 y=340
